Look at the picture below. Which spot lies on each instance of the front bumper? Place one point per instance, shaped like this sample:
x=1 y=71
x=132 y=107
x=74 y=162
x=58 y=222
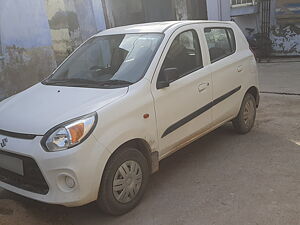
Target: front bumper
x=84 y=163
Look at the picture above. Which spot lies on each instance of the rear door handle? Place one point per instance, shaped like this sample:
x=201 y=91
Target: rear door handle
x=202 y=87
x=240 y=69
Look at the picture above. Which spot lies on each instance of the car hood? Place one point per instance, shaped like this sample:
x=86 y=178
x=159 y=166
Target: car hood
x=41 y=107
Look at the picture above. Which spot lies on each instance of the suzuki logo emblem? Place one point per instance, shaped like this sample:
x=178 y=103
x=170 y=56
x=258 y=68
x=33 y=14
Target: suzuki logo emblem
x=3 y=142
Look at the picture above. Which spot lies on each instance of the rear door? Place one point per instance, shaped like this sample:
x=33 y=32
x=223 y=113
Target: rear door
x=181 y=108
x=227 y=67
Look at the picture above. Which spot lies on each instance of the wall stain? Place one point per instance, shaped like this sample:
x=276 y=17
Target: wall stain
x=23 y=68
x=64 y=20
x=60 y=23
x=30 y=51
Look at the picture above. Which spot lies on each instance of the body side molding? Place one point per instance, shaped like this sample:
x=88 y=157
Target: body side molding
x=197 y=113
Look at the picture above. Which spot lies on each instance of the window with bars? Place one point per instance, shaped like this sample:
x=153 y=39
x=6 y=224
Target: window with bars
x=238 y=3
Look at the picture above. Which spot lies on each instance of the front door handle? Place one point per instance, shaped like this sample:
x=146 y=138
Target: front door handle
x=240 y=69
x=202 y=87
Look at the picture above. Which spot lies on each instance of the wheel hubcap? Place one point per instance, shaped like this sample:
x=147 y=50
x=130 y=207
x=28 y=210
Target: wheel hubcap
x=127 y=181
x=249 y=113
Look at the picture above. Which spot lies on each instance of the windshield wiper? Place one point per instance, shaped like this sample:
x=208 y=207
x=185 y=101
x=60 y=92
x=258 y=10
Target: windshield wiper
x=114 y=82
x=86 y=82
x=69 y=81
x=53 y=81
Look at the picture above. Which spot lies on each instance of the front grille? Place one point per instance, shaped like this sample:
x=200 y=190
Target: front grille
x=32 y=180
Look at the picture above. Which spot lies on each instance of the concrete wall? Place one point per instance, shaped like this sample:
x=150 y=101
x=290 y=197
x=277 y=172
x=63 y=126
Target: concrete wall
x=218 y=9
x=126 y=12
x=26 y=45
x=248 y=21
x=181 y=10
x=90 y=15
x=190 y=9
x=36 y=35
x=64 y=27
x=72 y=22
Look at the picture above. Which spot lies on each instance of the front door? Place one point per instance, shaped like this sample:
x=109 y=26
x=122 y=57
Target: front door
x=182 y=108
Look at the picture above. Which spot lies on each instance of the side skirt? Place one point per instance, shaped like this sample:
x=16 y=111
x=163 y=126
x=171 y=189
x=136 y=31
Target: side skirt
x=193 y=138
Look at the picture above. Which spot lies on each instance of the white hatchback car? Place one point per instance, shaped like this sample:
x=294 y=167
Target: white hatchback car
x=125 y=99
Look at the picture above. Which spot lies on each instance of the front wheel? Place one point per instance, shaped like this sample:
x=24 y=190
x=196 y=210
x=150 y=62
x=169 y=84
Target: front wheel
x=244 y=122
x=124 y=181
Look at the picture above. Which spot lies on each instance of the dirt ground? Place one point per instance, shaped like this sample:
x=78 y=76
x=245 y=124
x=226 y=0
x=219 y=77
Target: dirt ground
x=14 y=211
x=223 y=178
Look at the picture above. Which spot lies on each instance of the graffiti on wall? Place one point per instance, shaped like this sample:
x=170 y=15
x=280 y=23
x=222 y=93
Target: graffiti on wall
x=286 y=39
x=285 y=34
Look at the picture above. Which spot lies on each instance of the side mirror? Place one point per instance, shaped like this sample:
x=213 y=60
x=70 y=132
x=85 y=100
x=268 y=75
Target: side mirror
x=166 y=77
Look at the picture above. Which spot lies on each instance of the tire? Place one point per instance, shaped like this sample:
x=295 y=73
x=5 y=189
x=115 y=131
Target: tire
x=123 y=182
x=244 y=122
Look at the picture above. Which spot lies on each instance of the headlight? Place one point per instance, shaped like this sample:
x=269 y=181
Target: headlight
x=69 y=134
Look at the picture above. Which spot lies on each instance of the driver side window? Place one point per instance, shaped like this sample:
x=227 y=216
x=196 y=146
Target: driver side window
x=184 y=55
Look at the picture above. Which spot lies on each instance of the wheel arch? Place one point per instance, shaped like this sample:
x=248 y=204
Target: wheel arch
x=255 y=92
x=144 y=147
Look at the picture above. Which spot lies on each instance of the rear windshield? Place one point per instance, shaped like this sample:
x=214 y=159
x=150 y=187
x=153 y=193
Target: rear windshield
x=108 y=61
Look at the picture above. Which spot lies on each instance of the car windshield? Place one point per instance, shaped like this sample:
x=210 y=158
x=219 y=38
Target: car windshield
x=108 y=61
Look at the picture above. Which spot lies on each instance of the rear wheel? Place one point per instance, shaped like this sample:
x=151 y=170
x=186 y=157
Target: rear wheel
x=124 y=181
x=244 y=122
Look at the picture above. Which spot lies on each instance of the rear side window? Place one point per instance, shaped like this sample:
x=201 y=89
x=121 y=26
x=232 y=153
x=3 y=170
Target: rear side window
x=221 y=42
x=184 y=54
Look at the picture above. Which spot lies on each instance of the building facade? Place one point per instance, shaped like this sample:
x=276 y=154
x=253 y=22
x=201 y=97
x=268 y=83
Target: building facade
x=37 y=35
x=127 y=12
x=218 y=10
x=281 y=20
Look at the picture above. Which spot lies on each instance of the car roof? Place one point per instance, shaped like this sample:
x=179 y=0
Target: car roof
x=156 y=27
